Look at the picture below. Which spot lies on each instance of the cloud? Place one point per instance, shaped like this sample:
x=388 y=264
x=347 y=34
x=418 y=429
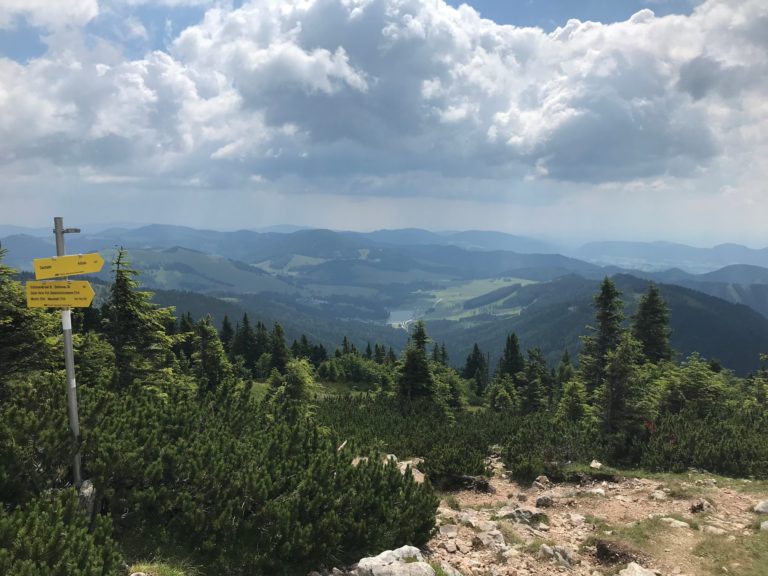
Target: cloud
x=370 y=96
x=51 y=14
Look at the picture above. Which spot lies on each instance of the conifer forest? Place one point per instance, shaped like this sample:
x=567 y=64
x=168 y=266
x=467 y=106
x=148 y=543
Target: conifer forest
x=244 y=453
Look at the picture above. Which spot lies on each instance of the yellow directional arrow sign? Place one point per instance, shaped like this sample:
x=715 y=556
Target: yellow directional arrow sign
x=61 y=266
x=70 y=294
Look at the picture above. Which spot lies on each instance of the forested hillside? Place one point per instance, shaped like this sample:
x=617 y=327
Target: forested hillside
x=243 y=452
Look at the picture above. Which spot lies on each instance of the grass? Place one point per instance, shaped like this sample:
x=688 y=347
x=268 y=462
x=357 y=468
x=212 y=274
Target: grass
x=449 y=302
x=452 y=503
x=163 y=569
x=438 y=569
x=746 y=556
x=511 y=537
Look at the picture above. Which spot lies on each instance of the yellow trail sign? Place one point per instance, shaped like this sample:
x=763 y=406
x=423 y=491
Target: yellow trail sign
x=61 y=266
x=68 y=294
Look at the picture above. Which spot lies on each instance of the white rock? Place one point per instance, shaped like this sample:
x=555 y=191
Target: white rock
x=634 y=569
x=675 y=523
x=449 y=530
x=714 y=530
x=762 y=507
x=405 y=561
x=576 y=519
x=449 y=570
x=597 y=492
x=658 y=495
x=595 y=465
x=764 y=526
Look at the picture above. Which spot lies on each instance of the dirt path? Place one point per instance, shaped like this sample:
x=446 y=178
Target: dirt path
x=597 y=527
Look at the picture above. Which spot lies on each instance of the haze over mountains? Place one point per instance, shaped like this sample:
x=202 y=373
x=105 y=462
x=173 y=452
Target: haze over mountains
x=470 y=286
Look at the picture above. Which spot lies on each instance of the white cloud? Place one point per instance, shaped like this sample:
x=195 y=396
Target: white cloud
x=52 y=14
x=359 y=96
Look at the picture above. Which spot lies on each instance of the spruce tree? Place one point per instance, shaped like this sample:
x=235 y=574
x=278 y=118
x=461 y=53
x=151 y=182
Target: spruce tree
x=209 y=360
x=419 y=336
x=512 y=360
x=605 y=335
x=280 y=353
x=25 y=333
x=226 y=334
x=133 y=325
x=244 y=344
x=650 y=326
x=476 y=369
x=416 y=378
x=535 y=385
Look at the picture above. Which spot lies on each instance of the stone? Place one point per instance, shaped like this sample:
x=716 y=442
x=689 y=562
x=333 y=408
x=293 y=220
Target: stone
x=449 y=530
x=658 y=495
x=486 y=525
x=418 y=476
x=595 y=465
x=597 y=492
x=87 y=496
x=520 y=514
x=674 y=523
x=544 y=502
x=564 y=555
x=634 y=569
x=764 y=526
x=493 y=540
x=467 y=519
x=449 y=570
x=546 y=551
x=702 y=505
x=576 y=519
x=714 y=530
x=405 y=561
x=450 y=546
x=761 y=507
x=390 y=458
x=463 y=546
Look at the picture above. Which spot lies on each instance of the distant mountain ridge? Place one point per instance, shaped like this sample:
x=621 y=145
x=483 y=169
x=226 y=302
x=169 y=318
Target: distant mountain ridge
x=656 y=256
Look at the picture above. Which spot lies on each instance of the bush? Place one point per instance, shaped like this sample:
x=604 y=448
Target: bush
x=50 y=537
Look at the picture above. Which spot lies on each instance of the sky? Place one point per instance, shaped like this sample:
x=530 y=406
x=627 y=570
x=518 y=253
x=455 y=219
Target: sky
x=589 y=120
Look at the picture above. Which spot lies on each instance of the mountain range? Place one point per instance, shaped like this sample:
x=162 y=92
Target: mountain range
x=468 y=286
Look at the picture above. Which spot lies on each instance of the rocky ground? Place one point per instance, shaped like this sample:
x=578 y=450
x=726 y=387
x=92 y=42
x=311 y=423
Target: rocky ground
x=669 y=524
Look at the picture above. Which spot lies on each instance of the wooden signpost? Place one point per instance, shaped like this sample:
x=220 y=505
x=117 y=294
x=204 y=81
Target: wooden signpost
x=65 y=294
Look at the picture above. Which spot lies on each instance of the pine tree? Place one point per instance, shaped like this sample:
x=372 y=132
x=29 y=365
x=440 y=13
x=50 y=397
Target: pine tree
x=476 y=369
x=209 y=360
x=25 y=333
x=280 y=353
x=244 y=344
x=368 y=352
x=609 y=316
x=416 y=378
x=226 y=334
x=535 y=384
x=512 y=360
x=573 y=406
x=134 y=326
x=503 y=396
x=650 y=326
x=419 y=336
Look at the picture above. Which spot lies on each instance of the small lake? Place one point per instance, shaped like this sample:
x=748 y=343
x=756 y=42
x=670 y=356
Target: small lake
x=400 y=316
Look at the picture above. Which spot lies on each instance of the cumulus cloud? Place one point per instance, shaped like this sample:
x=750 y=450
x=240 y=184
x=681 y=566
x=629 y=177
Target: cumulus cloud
x=50 y=14
x=377 y=91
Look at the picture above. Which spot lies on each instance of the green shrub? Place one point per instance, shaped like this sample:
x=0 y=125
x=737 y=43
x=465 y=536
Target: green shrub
x=50 y=537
